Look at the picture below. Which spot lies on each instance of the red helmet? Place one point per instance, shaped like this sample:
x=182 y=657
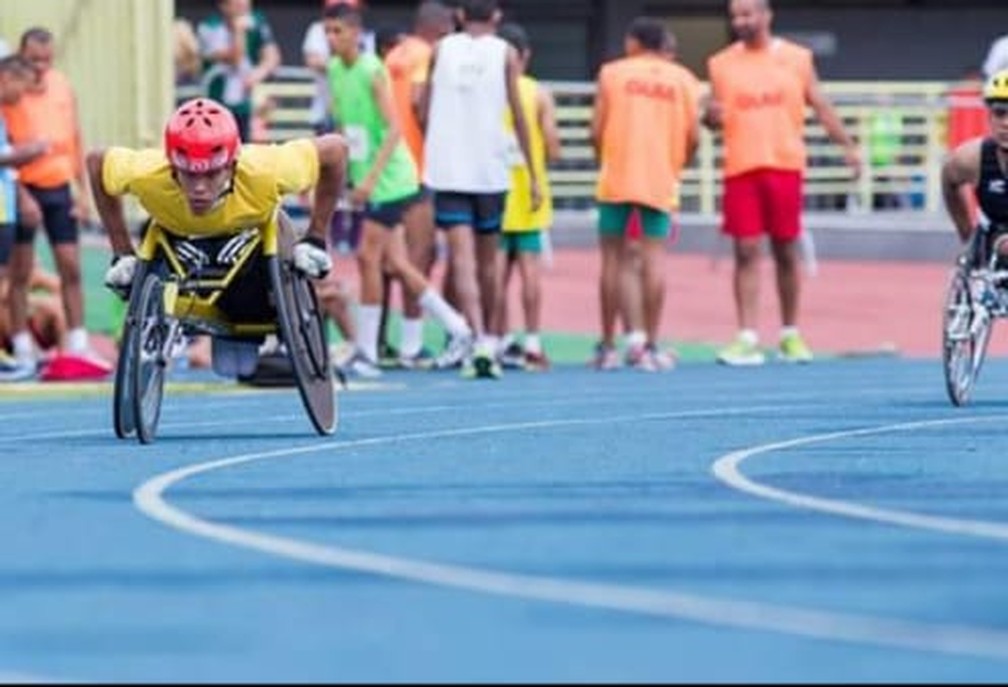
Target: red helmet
x=201 y=136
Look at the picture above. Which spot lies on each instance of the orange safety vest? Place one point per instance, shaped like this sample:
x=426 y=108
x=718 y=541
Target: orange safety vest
x=49 y=115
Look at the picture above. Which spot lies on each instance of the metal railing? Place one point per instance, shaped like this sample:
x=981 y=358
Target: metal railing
x=900 y=169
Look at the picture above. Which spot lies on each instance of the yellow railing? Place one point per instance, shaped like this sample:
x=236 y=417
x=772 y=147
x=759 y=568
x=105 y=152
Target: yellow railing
x=908 y=179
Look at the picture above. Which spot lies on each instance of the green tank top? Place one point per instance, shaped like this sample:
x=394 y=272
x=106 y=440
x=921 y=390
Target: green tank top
x=357 y=113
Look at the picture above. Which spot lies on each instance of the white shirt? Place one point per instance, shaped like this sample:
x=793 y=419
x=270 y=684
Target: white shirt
x=4 y=50
x=997 y=57
x=467 y=144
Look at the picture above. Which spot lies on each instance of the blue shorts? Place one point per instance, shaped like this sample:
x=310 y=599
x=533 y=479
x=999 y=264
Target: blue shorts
x=57 y=215
x=484 y=212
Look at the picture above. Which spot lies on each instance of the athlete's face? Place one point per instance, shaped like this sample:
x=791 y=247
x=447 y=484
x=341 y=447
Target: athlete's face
x=343 y=37
x=203 y=190
x=750 y=19
x=999 y=123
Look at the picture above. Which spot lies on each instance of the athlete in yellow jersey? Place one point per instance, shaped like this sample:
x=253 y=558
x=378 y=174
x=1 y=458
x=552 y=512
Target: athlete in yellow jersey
x=204 y=183
x=523 y=237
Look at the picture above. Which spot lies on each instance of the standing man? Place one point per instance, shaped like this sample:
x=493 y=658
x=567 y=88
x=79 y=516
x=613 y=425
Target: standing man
x=645 y=127
x=473 y=83
x=48 y=112
x=408 y=64
x=524 y=231
x=760 y=87
x=239 y=53
x=385 y=184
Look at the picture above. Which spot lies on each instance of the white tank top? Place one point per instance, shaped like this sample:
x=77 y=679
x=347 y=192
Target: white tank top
x=467 y=145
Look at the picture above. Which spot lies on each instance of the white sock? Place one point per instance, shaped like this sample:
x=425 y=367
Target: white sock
x=506 y=341
x=488 y=344
x=636 y=339
x=23 y=346
x=432 y=302
x=368 y=324
x=412 y=337
x=748 y=336
x=77 y=340
x=786 y=332
x=532 y=343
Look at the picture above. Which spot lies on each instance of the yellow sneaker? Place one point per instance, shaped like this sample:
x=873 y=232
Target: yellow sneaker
x=793 y=349
x=741 y=353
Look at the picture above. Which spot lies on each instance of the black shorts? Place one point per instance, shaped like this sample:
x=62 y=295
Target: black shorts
x=6 y=242
x=57 y=215
x=390 y=213
x=484 y=212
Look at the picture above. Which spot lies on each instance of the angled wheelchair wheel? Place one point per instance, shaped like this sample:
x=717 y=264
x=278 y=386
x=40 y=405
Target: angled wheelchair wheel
x=966 y=332
x=148 y=368
x=303 y=331
x=123 y=418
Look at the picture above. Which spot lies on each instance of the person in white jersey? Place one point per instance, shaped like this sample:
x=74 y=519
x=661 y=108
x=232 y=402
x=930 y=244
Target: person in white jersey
x=469 y=154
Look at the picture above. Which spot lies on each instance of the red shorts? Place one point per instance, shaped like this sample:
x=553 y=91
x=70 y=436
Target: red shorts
x=764 y=201
x=634 y=227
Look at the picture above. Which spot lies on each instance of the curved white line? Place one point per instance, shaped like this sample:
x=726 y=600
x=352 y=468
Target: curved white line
x=149 y=498
x=727 y=470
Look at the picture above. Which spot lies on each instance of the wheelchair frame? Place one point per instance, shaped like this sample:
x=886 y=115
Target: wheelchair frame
x=168 y=301
x=976 y=296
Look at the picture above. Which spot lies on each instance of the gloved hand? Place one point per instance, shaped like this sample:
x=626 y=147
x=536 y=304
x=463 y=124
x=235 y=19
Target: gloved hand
x=119 y=276
x=311 y=257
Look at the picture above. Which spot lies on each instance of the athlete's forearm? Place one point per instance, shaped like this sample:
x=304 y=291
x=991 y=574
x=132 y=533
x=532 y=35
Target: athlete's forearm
x=109 y=207
x=332 y=152
x=958 y=210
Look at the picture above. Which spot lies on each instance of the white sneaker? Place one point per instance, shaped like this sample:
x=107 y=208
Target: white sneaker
x=359 y=366
x=458 y=349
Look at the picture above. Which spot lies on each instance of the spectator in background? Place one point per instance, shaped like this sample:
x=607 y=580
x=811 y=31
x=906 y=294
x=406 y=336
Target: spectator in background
x=997 y=57
x=16 y=75
x=186 y=52
x=645 y=129
x=387 y=38
x=473 y=83
x=408 y=63
x=239 y=53
x=760 y=87
x=48 y=112
x=524 y=229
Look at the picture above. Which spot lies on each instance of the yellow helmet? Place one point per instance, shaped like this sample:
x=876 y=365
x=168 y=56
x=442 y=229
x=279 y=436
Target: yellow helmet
x=996 y=87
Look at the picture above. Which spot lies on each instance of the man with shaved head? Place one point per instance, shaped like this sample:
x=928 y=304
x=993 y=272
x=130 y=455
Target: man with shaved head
x=760 y=87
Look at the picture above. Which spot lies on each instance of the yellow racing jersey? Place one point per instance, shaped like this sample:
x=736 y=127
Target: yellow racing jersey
x=263 y=176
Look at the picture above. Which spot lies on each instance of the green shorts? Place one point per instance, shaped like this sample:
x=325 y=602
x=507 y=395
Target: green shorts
x=521 y=242
x=614 y=220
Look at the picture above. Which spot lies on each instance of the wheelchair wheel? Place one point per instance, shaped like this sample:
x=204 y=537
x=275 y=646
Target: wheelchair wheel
x=149 y=366
x=123 y=418
x=965 y=334
x=302 y=329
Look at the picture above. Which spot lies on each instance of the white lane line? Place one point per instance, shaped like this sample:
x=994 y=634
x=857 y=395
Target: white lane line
x=149 y=498
x=727 y=469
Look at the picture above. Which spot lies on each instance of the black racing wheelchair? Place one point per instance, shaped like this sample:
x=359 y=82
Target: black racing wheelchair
x=240 y=286
x=976 y=296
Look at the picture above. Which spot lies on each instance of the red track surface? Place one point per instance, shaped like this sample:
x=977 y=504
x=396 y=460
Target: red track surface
x=846 y=307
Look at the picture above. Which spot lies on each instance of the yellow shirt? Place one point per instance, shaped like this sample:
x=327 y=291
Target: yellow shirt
x=263 y=176
x=518 y=214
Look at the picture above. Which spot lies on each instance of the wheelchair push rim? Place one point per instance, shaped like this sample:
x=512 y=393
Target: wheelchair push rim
x=964 y=339
x=123 y=417
x=302 y=328
x=149 y=365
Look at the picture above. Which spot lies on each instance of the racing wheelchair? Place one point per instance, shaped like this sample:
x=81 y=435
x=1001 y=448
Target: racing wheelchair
x=239 y=286
x=976 y=296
